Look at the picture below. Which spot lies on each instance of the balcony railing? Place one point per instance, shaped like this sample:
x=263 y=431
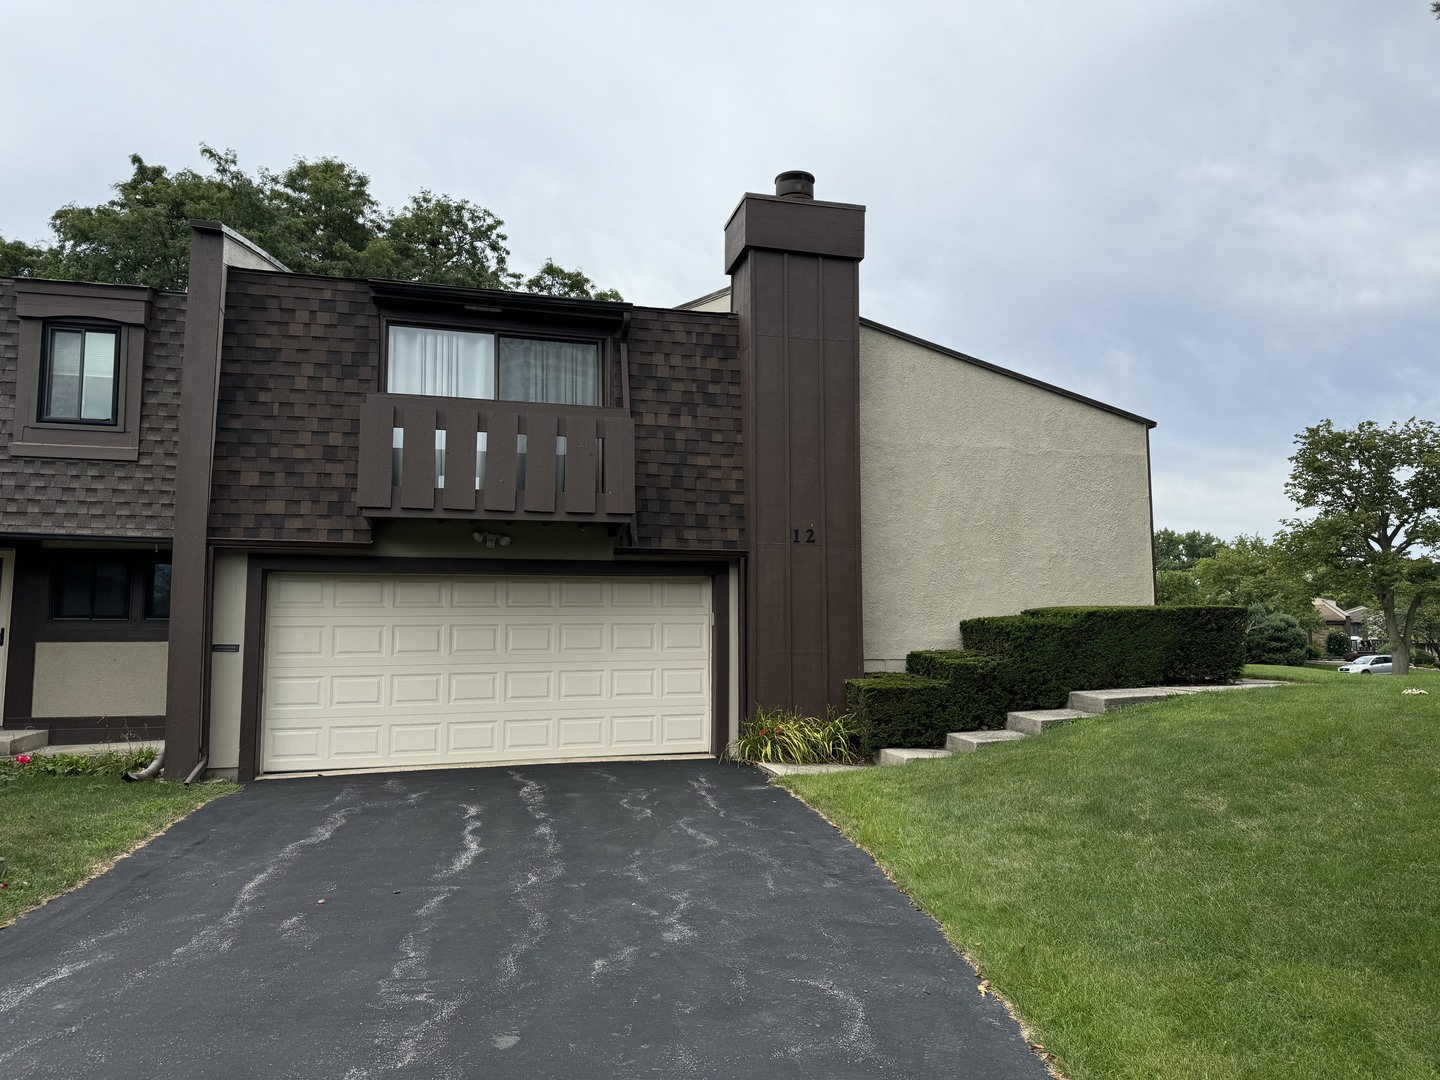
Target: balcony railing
x=446 y=457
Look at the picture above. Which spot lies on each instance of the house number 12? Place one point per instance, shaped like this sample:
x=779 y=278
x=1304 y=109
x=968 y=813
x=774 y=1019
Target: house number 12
x=807 y=538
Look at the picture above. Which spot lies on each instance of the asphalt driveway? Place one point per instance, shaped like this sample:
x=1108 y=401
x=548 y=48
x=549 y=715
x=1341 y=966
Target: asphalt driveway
x=667 y=919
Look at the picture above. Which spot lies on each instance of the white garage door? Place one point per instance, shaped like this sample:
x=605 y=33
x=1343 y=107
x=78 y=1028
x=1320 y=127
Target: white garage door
x=379 y=671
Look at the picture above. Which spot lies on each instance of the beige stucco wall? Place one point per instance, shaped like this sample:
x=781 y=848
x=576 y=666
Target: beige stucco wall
x=720 y=302
x=100 y=678
x=982 y=494
x=227 y=668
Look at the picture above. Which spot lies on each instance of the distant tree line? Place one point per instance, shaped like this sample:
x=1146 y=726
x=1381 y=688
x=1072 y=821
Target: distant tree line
x=317 y=216
x=1371 y=540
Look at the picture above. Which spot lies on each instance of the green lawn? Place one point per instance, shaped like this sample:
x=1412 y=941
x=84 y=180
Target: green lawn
x=1232 y=885
x=57 y=831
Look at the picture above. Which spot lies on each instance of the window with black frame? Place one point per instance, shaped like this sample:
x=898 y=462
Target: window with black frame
x=109 y=590
x=90 y=590
x=80 y=374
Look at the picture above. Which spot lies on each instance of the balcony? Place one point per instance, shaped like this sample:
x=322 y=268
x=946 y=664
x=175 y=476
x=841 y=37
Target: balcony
x=459 y=458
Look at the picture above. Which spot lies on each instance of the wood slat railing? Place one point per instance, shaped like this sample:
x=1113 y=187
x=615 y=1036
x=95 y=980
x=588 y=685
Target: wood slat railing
x=449 y=457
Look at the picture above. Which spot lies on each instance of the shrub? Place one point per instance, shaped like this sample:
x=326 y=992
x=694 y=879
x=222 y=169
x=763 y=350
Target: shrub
x=1314 y=652
x=1064 y=649
x=1275 y=638
x=1035 y=659
x=980 y=692
x=109 y=763
x=783 y=735
x=898 y=710
x=1337 y=643
x=1421 y=658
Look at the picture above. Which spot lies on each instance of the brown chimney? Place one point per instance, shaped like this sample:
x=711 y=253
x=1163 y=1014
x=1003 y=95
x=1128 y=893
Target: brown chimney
x=795 y=268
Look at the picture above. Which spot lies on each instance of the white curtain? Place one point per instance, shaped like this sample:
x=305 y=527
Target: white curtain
x=560 y=372
x=441 y=363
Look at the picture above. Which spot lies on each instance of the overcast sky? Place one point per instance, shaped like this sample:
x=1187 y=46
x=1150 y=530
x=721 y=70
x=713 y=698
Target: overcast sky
x=1221 y=214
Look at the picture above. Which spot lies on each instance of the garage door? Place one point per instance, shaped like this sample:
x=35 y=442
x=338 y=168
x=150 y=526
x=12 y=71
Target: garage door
x=377 y=671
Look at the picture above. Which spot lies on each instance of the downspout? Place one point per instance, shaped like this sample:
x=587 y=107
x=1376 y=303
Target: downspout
x=150 y=772
x=198 y=769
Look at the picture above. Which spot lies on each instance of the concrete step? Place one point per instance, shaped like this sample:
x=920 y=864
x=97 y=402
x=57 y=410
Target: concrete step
x=1038 y=721
x=784 y=768
x=1103 y=701
x=966 y=742
x=899 y=756
x=21 y=740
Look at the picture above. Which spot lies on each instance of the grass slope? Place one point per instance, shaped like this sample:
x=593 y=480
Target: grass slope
x=1230 y=885
x=57 y=831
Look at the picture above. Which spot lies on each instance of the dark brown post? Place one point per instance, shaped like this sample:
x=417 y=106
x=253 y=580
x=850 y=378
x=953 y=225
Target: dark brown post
x=794 y=264
x=213 y=247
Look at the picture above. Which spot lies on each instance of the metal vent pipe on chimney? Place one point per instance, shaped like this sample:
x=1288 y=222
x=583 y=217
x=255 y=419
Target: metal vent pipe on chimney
x=795 y=185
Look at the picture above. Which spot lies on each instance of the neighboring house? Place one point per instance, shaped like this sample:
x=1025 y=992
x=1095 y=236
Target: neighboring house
x=301 y=524
x=1350 y=622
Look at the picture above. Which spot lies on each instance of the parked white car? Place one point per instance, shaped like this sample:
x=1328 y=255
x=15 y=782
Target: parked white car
x=1367 y=665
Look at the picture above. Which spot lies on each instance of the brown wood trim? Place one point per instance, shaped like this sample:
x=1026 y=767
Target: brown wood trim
x=103 y=630
x=252 y=668
x=36 y=298
x=802 y=227
x=119 y=441
x=417 y=470
x=541 y=464
x=460 y=443
x=502 y=460
x=259 y=568
x=422 y=419
x=795 y=265
x=187 y=698
x=70 y=730
x=29 y=601
x=30 y=621
x=1150 y=497
x=581 y=478
x=377 y=424
x=720 y=662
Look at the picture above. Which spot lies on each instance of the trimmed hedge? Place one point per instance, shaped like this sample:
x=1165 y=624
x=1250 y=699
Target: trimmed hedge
x=898 y=710
x=980 y=693
x=1033 y=660
x=1062 y=649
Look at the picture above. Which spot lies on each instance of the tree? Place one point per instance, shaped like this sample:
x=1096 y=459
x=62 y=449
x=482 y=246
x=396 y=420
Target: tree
x=1376 y=494
x=1275 y=638
x=1244 y=572
x=318 y=217
x=1181 y=551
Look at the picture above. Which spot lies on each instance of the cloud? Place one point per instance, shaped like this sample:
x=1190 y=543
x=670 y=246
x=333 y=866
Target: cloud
x=1222 y=215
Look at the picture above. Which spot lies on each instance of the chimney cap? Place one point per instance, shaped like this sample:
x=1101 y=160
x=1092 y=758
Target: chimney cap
x=795 y=184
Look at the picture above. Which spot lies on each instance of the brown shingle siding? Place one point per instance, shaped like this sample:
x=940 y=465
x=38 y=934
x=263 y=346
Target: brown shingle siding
x=297 y=371
x=78 y=497
x=294 y=376
x=685 y=398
